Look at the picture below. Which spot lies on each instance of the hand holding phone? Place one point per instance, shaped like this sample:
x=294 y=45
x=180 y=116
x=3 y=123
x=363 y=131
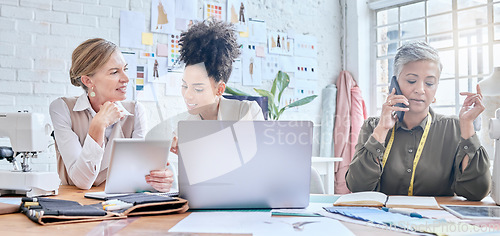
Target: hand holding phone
x=395 y=85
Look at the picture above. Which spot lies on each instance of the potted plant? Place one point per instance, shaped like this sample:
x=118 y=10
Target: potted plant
x=280 y=83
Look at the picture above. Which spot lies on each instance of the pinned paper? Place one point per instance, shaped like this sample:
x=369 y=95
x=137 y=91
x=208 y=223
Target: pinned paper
x=157 y=69
x=257 y=31
x=147 y=38
x=131 y=27
x=187 y=9
x=260 y=51
x=162 y=50
x=186 y=12
x=143 y=91
x=173 y=84
x=236 y=14
x=244 y=34
x=163 y=16
x=215 y=10
x=279 y=43
x=181 y=24
x=306 y=68
x=270 y=67
x=305 y=46
x=304 y=88
x=236 y=74
x=251 y=66
x=148 y=55
x=173 y=49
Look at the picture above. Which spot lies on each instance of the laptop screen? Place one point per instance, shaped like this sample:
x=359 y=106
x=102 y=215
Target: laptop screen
x=245 y=164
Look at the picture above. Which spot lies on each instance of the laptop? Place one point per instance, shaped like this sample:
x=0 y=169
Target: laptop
x=131 y=160
x=245 y=164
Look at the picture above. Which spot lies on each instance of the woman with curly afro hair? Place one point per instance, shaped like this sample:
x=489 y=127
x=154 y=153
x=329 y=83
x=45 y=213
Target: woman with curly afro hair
x=208 y=51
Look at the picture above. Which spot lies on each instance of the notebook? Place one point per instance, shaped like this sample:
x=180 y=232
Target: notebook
x=131 y=160
x=378 y=199
x=245 y=164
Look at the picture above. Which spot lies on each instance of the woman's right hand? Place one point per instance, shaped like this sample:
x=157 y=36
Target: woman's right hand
x=108 y=114
x=388 y=116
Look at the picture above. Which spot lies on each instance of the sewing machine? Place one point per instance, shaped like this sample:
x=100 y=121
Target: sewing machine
x=28 y=134
x=495 y=135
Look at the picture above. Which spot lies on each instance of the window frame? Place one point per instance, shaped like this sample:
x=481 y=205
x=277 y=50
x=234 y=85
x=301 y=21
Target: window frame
x=489 y=25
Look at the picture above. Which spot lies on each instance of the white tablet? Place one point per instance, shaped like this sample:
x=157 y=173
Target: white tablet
x=133 y=159
x=474 y=212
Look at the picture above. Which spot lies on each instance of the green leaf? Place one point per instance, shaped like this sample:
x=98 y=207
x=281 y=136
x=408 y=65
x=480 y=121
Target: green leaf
x=281 y=112
x=273 y=88
x=302 y=101
x=270 y=99
x=265 y=93
x=282 y=84
x=235 y=91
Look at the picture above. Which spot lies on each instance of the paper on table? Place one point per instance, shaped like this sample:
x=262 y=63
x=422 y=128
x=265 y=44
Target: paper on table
x=317 y=226
x=258 y=224
x=221 y=222
x=309 y=211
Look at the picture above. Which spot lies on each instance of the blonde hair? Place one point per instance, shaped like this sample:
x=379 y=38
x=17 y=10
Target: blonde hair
x=88 y=57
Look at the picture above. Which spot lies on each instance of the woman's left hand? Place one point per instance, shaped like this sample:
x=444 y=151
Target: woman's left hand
x=161 y=180
x=472 y=107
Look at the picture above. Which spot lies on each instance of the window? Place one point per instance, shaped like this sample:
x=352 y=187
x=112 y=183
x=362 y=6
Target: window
x=465 y=32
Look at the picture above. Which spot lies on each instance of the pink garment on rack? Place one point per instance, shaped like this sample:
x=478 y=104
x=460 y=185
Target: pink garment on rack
x=350 y=114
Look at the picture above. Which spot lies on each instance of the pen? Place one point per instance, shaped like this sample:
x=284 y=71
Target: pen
x=411 y=214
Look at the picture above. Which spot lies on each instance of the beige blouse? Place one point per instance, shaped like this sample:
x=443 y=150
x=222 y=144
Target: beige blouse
x=438 y=172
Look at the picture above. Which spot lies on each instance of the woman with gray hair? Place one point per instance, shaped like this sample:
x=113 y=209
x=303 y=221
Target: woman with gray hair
x=425 y=153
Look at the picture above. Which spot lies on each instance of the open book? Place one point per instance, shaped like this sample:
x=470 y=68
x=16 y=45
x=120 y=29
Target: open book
x=378 y=199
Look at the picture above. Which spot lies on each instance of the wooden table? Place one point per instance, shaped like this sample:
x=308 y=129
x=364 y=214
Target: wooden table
x=19 y=224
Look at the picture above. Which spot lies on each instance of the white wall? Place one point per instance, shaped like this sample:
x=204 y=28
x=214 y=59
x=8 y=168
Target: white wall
x=37 y=38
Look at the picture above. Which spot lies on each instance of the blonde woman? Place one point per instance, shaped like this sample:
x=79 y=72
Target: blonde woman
x=84 y=126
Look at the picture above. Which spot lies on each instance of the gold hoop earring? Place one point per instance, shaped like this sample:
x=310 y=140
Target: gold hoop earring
x=92 y=93
x=434 y=101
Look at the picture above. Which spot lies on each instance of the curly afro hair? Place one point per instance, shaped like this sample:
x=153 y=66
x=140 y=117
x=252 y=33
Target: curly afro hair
x=213 y=43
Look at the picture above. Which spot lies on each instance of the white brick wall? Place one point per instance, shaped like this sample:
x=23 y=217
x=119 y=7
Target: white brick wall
x=50 y=16
x=64 y=6
x=7 y=24
x=7 y=74
x=77 y=19
x=33 y=75
x=17 y=12
x=40 y=4
x=6 y=49
x=97 y=10
x=37 y=38
x=9 y=2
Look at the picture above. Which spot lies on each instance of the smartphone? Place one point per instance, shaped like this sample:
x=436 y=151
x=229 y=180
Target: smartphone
x=395 y=84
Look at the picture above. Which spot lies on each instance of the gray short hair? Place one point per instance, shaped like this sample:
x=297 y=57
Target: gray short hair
x=415 y=51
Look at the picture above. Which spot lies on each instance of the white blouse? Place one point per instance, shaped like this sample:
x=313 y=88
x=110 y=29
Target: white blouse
x=84 y=163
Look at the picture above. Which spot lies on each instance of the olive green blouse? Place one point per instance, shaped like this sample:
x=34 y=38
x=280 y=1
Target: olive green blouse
x=438 y=172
